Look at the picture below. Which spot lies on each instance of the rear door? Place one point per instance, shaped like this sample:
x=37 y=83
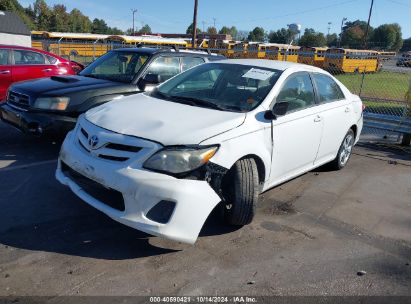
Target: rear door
x=296 y=135
x=28 y=64
x=5 y=72
x=336 y=111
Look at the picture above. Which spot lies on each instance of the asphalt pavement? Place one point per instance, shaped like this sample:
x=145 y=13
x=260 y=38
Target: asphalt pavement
x=324 y=233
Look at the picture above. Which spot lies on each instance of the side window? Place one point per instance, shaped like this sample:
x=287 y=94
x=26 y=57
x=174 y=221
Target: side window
x=189 y=62
x=4 y=57
x=298 y=91
x=166 y=67
x=51 y=59
x=328 y=89
x=22 y=57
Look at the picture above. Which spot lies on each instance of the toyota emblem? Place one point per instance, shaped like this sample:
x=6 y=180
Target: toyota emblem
x=93 y=141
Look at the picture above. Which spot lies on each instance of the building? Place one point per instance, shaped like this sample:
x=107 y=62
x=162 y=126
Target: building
x=13 y=31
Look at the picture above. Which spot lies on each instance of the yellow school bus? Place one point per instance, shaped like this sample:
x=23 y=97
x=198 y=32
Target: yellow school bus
x=240 y=50
x=340 y=60
x=386 y=55
x=282 y=52
x=94 y=45
x=256 y=50
x=225 y=48
x=312 y=55
x=146 y=40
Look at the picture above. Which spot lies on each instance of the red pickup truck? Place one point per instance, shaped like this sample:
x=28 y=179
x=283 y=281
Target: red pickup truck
x=20 y=63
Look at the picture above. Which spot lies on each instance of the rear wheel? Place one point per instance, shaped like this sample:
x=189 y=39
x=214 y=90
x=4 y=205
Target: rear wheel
x=241 y=187
x=344 y=152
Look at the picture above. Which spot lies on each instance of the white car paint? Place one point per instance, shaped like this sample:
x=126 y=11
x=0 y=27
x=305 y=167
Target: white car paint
x=286 y=147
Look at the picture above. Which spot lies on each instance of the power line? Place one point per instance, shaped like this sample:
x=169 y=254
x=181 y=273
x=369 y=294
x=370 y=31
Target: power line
x=297 y=13
x=399 y=3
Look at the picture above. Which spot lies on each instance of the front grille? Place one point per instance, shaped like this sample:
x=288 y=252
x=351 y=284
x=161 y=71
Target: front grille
x=113 y=158
x=110 y=151
x=123 y=147
x=107 y=196
x=19 y=100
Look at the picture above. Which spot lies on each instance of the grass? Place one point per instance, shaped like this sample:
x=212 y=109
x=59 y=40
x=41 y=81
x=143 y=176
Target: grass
x=381 y=85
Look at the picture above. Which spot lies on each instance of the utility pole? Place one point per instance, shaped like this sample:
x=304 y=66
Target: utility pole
x=133 y=11
x=341 y=32
x=368 y=25
x=214 y=19
x=194 y=39
x=329 y=28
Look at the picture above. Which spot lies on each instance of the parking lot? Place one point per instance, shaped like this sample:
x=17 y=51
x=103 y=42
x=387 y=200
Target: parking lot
x=325 y=233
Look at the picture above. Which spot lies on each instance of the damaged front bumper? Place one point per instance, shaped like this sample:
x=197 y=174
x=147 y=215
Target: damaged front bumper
x=154 y=203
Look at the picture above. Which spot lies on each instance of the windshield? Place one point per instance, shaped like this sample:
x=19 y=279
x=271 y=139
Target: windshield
x=116 y=66
x=226 y=87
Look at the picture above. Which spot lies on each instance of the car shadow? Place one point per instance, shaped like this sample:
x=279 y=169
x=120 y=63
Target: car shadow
x=392 y=151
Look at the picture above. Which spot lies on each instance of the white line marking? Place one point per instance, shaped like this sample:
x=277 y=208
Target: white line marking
x=46 y=162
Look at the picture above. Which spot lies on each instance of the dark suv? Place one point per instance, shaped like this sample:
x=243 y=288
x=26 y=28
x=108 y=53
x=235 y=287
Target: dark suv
x=52 y=105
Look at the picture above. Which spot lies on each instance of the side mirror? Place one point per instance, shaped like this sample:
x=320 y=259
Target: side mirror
x=280 y=109
x=149 y=81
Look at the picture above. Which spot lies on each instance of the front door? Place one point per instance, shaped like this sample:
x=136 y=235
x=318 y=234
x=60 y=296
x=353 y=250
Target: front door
x=296 y=135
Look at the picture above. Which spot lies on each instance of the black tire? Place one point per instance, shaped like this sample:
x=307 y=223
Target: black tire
x=338 y=163
x=242 y=190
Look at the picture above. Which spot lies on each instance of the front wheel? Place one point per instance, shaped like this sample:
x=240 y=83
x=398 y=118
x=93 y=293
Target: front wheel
x=344 y=152
x=241 y=192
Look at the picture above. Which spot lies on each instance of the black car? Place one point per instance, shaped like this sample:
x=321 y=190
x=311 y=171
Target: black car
x=52 y=105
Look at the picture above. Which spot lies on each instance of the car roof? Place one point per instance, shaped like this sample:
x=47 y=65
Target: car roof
x=150 y=51
x=18 y=47
x=273 y=64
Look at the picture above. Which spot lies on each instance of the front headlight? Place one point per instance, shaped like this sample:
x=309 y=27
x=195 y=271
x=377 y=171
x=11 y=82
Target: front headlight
x=52 y=103
x=177 y=160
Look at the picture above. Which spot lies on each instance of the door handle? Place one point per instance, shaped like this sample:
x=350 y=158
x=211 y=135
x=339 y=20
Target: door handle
x=5 y=72
x=318 y=119
x=47 y=70
x=347 y=110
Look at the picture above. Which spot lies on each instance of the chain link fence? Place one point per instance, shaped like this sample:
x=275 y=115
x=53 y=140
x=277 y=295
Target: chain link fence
x=381 y=79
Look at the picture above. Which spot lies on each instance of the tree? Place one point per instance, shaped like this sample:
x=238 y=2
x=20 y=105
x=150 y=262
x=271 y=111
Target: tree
x=99 y=26
x=280 y=36
x=257 y=34
x=14 y=6
x=115 y=31
x=312 y=38
x=242 y=35
x=211 y=30
x=229 y=31
x=234 y=32
x=42 y=15
x=60 y=19
x=332 y=40
x=79 y=23
x=146 y=29
x=190 y=30
x=388 y=37
x=353 y=34
x=225 y=31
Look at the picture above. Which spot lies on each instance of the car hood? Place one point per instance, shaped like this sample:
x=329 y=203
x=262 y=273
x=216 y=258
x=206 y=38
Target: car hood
x=166 y=122
x=62 y=85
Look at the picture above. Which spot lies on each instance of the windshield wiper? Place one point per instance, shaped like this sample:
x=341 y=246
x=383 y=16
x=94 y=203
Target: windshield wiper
x=198 y=102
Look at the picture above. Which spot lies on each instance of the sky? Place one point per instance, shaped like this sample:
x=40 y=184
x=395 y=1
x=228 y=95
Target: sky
x=174 y=16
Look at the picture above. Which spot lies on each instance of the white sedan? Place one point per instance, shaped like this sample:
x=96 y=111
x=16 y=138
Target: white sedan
x=220 y=132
